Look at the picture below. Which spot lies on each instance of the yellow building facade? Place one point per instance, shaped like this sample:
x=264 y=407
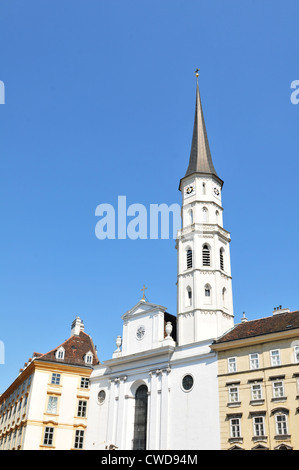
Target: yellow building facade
x=258 y=376
x=46 y=406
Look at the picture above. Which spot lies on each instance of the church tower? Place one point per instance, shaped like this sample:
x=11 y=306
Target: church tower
x=204 y=284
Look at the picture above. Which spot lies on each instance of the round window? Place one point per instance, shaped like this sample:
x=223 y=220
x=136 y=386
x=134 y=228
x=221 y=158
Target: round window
x=101 y=396
x=187 y=382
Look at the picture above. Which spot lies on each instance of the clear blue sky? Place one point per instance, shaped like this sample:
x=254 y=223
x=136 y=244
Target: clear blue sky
x=100 y=101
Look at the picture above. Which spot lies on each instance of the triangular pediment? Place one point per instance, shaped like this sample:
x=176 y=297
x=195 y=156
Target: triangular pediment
x=142 y=308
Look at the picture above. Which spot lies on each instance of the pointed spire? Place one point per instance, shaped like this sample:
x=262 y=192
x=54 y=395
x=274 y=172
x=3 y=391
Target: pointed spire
x=200 y=156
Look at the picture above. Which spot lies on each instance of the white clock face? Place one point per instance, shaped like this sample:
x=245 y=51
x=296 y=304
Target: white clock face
x=140 y=332
x=189 y=190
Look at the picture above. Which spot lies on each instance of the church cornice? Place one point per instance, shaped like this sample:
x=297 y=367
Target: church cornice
x=203 y=175
x=204 y=271
x=163 y=352
x=204 y=229
x=206 y=311
x=205 y=202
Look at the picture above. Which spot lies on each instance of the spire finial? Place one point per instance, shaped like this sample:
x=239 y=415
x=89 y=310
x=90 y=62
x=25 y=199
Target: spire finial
x=196 y=73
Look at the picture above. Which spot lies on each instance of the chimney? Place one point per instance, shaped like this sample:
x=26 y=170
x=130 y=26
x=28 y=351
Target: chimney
x=278 y=310
x=77 y=326
x=244 y=319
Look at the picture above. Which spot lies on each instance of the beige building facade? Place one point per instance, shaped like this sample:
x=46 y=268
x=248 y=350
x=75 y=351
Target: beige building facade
x=258 y=374
x=46 y=406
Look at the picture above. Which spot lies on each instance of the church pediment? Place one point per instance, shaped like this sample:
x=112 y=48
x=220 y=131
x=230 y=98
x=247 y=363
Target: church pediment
x=143 y=308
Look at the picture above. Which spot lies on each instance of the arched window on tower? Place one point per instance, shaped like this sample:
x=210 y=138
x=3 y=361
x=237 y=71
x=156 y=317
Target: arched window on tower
x=224 y=297
x=207 y=290
x=188 y=296
x=206 y=256
x=205 y=215
x=191 y=216
x=208 y=294
x=222 y=259
x=189 y=258
x=203 y=188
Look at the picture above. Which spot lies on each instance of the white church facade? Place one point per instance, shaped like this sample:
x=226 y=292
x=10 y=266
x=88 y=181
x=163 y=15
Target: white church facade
x=159 y=391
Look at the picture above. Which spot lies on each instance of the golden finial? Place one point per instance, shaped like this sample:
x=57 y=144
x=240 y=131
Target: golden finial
x=196 y=73
x=143 y=289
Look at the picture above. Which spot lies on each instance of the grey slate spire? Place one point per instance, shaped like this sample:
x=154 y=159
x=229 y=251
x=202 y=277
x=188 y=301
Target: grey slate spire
x=200 y=156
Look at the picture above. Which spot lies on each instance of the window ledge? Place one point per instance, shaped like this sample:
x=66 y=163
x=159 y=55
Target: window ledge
x=235 y=439
x=259 y=438
x=261 y=401
x=234 y=404
x=282 y=437
x=278 y=399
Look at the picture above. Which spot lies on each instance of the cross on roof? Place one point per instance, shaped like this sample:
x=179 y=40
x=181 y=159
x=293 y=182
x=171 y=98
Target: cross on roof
x=143 y=289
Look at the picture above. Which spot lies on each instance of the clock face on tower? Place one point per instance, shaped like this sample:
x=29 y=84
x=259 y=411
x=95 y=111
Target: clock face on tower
x=140 y=332
x=216 y=191
x=189 y=190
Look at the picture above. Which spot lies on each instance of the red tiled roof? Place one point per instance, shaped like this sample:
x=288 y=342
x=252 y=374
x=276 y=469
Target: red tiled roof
x=263 y=326
x=76 y=347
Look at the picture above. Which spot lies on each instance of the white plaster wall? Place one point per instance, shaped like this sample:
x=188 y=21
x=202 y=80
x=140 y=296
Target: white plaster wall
x=37 y=397
x=97 y=421
x=194 y=415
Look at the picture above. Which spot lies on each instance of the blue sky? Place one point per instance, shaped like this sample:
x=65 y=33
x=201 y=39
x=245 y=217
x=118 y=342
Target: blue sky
x=99 y=102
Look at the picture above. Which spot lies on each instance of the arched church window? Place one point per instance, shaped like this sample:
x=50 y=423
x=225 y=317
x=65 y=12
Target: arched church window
x=203 y=188
x=140 y=422
x=222 y=259
x=206 y=256
x=189 y=258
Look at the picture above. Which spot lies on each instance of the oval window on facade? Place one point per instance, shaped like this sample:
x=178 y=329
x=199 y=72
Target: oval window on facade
x=101 y=396
x=187 y=382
